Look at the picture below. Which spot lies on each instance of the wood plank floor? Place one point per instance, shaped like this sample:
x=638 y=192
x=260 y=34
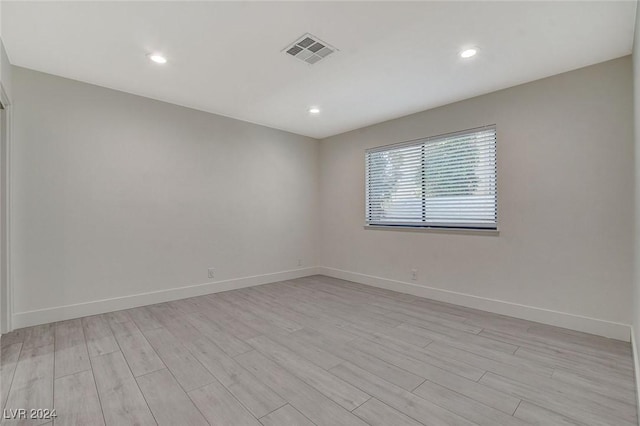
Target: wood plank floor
x=315 y=350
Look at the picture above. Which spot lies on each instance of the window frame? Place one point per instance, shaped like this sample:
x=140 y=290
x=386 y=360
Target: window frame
x=432 y=225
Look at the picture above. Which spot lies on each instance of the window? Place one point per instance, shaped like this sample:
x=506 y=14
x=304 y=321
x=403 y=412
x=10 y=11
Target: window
x=446 y=181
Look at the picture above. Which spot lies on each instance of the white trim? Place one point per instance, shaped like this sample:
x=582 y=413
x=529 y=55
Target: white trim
x=441 y=230
x=6 y=310
x=596 y=326
x=61 y=313
x=636 y=368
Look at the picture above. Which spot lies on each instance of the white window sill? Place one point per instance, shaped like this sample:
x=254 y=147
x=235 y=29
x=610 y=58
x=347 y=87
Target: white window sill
x=463 y=231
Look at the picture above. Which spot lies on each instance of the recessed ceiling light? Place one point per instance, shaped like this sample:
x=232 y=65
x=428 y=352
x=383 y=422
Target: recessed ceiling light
x=468 y=53
x=314 y=110
x=157 y=58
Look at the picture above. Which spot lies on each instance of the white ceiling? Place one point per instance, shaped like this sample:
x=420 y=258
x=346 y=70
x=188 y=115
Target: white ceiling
x=395 y=58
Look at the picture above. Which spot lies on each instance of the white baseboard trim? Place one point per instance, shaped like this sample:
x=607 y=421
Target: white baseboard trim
x=61 y=313
x=599 y=327
x=636 y=368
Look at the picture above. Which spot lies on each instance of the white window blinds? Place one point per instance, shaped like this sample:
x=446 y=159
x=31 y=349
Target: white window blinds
x=444 y=181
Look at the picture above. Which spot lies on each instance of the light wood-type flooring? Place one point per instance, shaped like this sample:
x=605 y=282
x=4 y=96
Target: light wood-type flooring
x=315 y=350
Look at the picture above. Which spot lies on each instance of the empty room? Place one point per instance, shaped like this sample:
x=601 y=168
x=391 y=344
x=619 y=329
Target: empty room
x=261 y=213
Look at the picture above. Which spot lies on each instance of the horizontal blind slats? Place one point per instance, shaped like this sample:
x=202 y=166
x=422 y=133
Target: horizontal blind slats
x=449 y=180
x=405 y=159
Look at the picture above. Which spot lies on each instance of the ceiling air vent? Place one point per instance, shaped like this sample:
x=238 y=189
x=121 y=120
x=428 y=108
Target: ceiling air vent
x=309 y=49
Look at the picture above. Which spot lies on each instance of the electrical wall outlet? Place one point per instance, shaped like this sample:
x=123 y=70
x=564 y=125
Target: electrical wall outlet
x=211 y=272
x=299 y=262
x=414 y=274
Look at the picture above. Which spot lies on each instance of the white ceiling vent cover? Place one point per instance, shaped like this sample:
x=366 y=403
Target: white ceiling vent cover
x=309 y=49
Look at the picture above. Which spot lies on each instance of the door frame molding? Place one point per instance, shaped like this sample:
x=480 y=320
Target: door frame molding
x=6 y=310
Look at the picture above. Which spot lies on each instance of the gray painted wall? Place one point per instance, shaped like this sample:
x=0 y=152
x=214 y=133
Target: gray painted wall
x=565 y=199
x=5 y=71
x=5 y=84
x=116 y=195
x=636 y=115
